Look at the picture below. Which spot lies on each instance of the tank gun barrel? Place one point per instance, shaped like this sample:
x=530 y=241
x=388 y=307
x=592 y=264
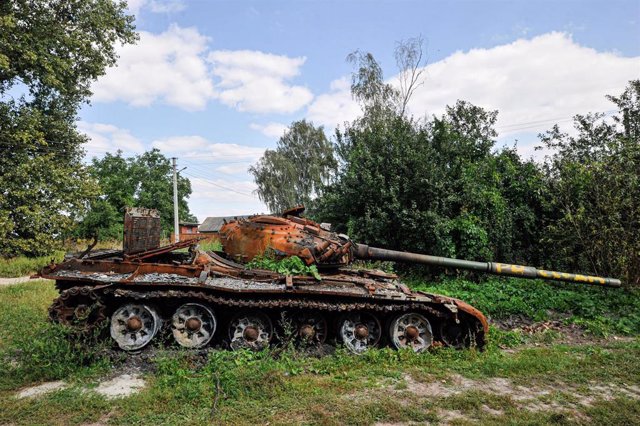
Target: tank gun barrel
x=365 y=252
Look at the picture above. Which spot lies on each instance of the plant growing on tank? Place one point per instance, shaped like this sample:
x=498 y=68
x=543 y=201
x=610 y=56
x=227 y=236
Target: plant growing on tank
x=292 y=265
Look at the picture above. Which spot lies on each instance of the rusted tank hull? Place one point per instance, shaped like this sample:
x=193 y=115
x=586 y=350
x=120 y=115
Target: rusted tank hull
x=94 y=291
x=205 y=298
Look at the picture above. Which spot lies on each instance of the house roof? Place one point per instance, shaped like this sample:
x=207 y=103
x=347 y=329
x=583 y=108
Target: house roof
x=213 y=224
x=189 y=223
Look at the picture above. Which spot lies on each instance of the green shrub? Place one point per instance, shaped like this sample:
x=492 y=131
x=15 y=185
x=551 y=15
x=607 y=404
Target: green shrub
x=287 y=266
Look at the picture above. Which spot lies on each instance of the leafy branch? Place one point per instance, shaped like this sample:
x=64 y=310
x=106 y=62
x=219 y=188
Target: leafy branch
x=286 y=266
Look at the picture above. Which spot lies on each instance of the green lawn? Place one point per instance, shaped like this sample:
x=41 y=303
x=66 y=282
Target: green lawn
x=536 y=380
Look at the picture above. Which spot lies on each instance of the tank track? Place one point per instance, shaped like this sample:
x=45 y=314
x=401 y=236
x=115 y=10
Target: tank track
x=273 y=303
x=109 y=295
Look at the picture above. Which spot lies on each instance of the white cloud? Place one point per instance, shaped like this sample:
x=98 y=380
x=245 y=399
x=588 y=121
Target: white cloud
x=134 y=6
x=167 y=67
x=234 y=169
x=170 y=6
x=177 y=144
x=155 y=6
x=272 y=130
x=533 y=83
x=176 y=68
x=197 y=148
x=105 y=138
x=255 y=81
x=233 y=152
x=335 y=107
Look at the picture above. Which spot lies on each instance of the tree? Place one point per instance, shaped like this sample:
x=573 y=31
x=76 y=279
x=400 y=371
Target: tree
x=50 y=52
x=369 y=87
x=433 y=186
x=145 y=180
x=57 y=48
x=593 y=192
x=155 y=187
x=408 y=56
x=296 y=171
x=42 y=186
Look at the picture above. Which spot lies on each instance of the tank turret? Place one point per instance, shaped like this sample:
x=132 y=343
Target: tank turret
x=315 y=244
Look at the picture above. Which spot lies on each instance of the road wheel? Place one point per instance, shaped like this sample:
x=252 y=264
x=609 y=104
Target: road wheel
x=134 y=325
x=360 y=331
x=193 y=325
x=411 y=330
x=251 y=330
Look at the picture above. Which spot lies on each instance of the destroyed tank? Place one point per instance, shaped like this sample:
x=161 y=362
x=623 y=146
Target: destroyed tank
x=212 y=298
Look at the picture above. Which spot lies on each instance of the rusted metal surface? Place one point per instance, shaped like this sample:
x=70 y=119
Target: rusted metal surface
x=147 y=254
x=245 y=239
x=141 y=230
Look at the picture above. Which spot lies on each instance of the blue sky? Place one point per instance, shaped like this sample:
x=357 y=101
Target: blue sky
x=214 y=83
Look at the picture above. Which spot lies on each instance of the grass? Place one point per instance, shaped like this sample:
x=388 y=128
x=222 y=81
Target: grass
x=602 y=311
x=21 y=265
x=210 y=245
x=31 y=348
x=285 y=386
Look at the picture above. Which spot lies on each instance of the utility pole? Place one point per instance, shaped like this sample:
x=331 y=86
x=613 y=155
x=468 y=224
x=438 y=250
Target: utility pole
x=176 y=225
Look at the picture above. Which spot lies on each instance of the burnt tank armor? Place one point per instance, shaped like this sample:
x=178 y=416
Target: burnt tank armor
x=204 y=297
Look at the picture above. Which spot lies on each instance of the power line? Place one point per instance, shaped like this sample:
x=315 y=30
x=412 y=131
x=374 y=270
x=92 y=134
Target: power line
x=209 y=181
x=216 y=162
x=530 y=124
x=202 y=169
x=197 y=176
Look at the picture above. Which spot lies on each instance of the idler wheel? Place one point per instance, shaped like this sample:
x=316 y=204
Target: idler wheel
x=360 y=331
x=312 y=328
x=78 y=308
x=81 y=312
x=411 y=330
x=133 y=326
x=193 y=325
x=250 y=330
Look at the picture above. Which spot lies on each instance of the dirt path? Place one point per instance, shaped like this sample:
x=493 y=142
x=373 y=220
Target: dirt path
x=11 y=281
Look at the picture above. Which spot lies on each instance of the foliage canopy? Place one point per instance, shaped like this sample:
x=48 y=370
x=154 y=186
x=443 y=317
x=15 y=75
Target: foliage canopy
x=145 y=180
x=50 y=52
x=592 y=200
x=296 y=171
